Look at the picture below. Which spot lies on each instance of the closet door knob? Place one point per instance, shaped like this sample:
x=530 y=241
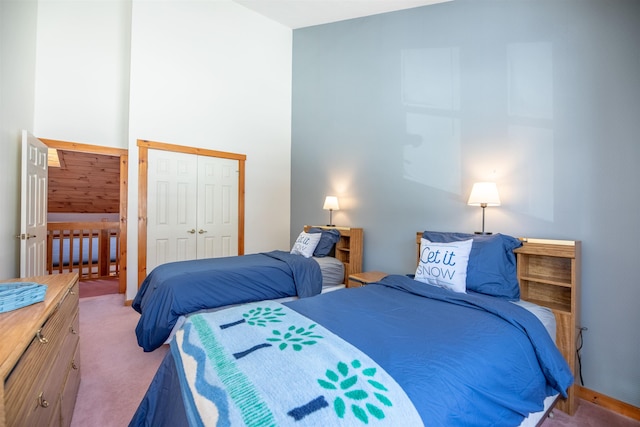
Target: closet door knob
x=192 y=231
x=201 y=231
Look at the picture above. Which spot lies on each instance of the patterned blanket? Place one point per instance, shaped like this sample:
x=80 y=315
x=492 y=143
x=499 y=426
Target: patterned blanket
x=263 y=364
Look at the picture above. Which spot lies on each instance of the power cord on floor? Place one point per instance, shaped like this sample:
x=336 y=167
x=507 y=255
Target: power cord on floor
x=579 y=347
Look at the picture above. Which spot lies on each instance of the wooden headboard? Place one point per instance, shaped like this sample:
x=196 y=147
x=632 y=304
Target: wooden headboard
x=349 y=248
x=549 y=275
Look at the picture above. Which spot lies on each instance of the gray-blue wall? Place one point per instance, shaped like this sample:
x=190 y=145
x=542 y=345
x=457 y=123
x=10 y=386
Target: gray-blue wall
x=398 y=114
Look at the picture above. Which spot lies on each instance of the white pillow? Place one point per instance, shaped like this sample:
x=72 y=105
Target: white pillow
x=305 y=244
x=444 y=264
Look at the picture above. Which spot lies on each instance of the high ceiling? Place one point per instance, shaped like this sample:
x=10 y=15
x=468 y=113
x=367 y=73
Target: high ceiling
x=305 y=13
x=90 y=183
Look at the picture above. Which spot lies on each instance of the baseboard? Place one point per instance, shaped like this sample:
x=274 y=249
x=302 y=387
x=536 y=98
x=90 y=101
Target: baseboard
x=128 y=302
x=609 y=403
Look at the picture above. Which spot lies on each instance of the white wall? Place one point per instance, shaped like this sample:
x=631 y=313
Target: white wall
x=215 y=75
x=202 y=74
x=17 y=68
x=82 y=72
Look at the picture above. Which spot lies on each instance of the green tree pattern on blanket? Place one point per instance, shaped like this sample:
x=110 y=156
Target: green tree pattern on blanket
x=258 y=316
x=347 y=381
x=296 y=337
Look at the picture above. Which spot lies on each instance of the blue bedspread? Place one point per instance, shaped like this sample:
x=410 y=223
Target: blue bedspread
x=179 y=288
x=462 y=359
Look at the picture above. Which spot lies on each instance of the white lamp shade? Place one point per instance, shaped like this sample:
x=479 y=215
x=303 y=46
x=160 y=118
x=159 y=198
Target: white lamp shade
x=484 y=193
x=331 y=203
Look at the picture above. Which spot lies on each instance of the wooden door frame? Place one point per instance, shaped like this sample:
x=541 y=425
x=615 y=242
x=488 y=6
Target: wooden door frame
x=143 y=163
x=123 y=154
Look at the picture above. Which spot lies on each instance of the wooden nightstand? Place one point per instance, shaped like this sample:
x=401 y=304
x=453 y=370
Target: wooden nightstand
x=361 y=279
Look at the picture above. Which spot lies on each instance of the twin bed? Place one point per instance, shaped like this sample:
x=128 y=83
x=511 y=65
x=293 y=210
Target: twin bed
x=173 y=290
x=395 y=352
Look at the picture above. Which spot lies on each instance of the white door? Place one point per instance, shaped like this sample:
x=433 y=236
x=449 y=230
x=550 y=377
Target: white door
x=192 y=207
x=171 y=207
x=217 y=207
x=33 y=205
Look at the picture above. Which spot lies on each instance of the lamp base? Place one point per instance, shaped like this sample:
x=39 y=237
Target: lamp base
x=483 y=233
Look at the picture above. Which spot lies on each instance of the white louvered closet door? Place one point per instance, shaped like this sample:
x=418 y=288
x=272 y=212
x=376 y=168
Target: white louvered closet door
x=192 y=207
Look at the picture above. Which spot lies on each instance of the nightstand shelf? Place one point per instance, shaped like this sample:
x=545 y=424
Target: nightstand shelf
x=547 y=281
x=362 y=279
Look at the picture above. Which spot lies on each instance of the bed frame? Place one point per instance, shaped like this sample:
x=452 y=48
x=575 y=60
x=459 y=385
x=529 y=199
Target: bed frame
x=349 y=248
x=549 y=275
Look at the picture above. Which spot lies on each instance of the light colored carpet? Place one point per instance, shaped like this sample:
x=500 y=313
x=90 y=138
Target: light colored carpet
x=97 y=287
x=115 y=372
x=589 y=415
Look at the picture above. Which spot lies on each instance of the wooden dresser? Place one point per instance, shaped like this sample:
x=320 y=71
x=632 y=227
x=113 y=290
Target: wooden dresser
x=40 y=356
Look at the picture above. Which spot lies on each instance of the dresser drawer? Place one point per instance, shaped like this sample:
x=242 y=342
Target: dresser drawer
x=34 y=378
x=70 y=391
x=56 y=418
x=43 y=398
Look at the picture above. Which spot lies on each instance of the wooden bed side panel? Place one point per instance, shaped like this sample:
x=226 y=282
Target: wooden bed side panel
x=549 y=275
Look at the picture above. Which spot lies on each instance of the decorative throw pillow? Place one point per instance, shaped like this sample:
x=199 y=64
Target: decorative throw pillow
x=444 y=264
x=328 y=240
x=492 y=263
x=305 y=244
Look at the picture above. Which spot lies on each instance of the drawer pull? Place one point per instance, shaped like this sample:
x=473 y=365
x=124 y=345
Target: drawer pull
x=42 y=401
x=73 y=331
x=73 y=365
x=72 y=292
x=42 y=339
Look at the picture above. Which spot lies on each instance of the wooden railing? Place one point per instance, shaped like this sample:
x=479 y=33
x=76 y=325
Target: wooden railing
x=90 y=248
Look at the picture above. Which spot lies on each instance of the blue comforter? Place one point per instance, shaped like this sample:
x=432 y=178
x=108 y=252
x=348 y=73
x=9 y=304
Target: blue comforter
x=462 y=359
x=179 y=288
